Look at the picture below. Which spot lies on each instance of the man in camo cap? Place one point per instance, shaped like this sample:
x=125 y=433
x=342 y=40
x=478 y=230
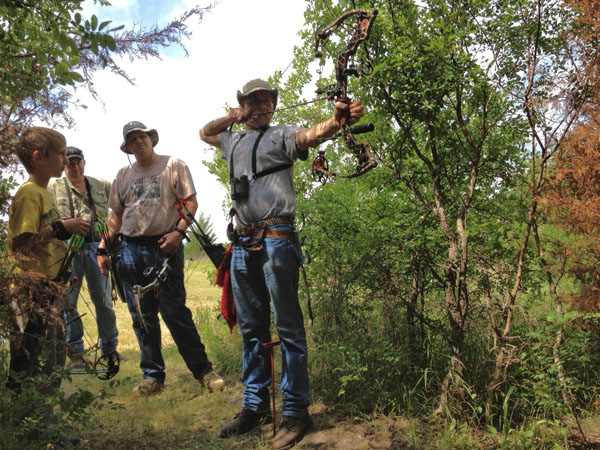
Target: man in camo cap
x=265 y=262
x=79 y=195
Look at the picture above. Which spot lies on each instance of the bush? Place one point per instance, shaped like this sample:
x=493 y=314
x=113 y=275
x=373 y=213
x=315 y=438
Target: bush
x=33 y=419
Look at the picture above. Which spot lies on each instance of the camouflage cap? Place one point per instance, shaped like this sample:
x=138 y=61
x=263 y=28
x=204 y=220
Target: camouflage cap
x=255 y=85
x=137 y=126
x=74 y=152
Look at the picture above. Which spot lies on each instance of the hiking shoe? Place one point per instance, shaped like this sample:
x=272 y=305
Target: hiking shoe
x=79 y=364
x=149 y=386
x=245 y=421
x=291 y=431
x=64 y=442
x=72 y=440
x=213 y=381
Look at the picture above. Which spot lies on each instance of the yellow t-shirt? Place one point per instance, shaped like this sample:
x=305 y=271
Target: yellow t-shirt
x=31 y=211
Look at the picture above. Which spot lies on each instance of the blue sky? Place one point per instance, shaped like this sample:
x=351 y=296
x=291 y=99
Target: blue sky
x=145 y=13
x=148 y=12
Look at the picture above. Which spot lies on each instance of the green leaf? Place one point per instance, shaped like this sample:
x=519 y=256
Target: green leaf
x=42 y=58
x=110 y=43
x=104 y=24
x=94 y=43
x=76 y=76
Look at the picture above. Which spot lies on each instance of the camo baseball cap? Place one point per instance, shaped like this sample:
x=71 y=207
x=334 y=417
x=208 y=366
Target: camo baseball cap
x=137 y=126
x=74 y=152
x=257 y=85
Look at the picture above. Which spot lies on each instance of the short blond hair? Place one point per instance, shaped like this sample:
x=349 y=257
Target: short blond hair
x=38 y=138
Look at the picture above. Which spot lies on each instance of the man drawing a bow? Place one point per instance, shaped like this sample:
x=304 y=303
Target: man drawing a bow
x=265 y=262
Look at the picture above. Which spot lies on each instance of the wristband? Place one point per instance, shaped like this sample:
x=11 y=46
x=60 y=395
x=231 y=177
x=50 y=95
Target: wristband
x=101 y=251
x=59 y=231
x=182 y=232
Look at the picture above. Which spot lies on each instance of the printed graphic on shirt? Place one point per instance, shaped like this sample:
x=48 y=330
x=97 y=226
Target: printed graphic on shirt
x=146 y=192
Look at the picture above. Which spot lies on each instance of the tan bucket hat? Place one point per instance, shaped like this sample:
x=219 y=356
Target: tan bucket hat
x=138 y=126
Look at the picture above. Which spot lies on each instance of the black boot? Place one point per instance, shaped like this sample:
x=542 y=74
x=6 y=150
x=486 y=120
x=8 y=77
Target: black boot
x=245 y=421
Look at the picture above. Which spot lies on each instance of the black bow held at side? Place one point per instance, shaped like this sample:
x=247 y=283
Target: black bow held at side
x=213 y=251
x=345 y=67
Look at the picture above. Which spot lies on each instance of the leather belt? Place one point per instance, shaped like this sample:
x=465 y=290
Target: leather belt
x=279 y=234
x=252 y=228
x=143 y=240
x=265 y=233
x=272 y=221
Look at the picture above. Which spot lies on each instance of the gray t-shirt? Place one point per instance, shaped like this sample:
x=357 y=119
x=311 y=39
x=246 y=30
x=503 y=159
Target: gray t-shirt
x=271 y=195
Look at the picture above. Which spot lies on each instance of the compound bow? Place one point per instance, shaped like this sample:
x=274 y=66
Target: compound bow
x=105 y=366
x=140 y=291
x=113 y=247
x=345 y=67
x=213 y=251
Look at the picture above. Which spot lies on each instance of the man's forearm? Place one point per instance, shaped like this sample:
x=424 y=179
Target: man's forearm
x=216 y=126
x=308 y=137
x=210 y=133
x=191 y=204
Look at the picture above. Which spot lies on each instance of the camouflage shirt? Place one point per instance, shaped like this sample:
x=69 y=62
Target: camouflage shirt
x=100 y=190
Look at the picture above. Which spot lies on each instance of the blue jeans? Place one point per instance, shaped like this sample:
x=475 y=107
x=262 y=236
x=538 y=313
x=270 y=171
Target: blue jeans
x=260 y=279
x=84 y=263
x=169 y=301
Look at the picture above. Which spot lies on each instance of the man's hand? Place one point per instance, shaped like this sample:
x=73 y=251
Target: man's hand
x=104 y=264
x=344 y=112
x=237 y=115
x=350 y=112
x=170 y=242
x=76 y=226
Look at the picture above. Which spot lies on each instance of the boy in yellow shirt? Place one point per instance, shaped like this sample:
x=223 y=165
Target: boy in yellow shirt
x=35 y=232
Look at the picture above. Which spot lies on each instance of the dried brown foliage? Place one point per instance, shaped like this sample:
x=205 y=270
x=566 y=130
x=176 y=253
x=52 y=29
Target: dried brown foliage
x=572 y=197
x=28 y=295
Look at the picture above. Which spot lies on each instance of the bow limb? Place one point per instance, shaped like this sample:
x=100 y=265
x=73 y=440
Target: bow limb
x=362 y=33
x=362 y=152
x=137 y=297
x=75 y=244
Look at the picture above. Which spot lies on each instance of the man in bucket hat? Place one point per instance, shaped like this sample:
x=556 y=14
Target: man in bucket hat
x=265 y=261
x=79 y=195
x=142 y=200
